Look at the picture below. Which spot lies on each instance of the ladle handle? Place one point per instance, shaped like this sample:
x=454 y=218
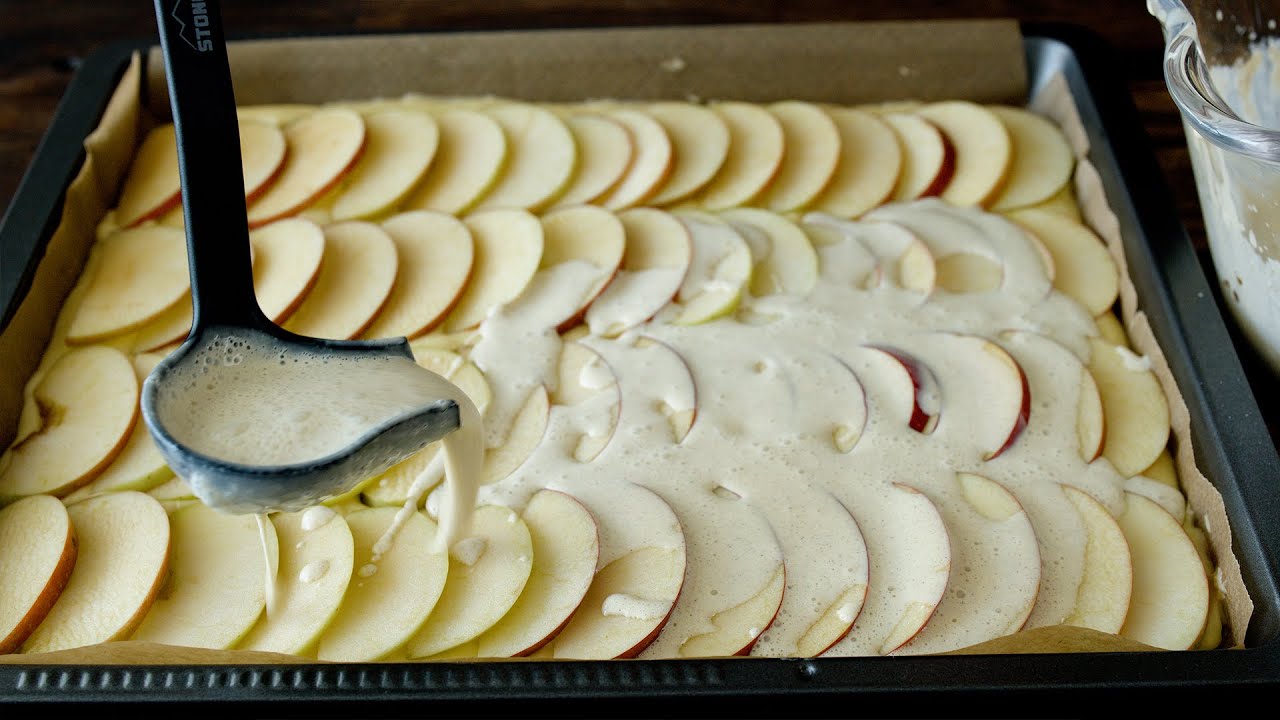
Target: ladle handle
x=204 y=116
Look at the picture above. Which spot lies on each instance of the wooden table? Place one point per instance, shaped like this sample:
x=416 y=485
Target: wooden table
x=41 y=43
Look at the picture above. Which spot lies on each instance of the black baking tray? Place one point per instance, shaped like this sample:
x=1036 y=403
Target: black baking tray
x=1231 y=443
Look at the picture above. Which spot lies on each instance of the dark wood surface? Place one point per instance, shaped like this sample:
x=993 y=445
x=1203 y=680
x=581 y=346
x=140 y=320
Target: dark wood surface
x=42 y=41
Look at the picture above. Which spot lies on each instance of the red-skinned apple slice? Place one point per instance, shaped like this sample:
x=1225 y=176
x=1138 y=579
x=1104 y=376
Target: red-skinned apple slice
x=584 y=377
x=1102 y=602
x=641 y=360
x=756 y=146
x=436 y=254
x=583 y=234
x=1061 y=403
x=322 y=147
x=527 y=429
x=541 y=158
x=605 y=151
x=984 y=153
x=262 y=154
x=1134 y=405
x=286 y=265
x=812 y=143
x=37 y=553
x=654 y=264
x=152 y=186
x=785 y=261
x=902 y=260
x=914 y=380
x=929 y=158
x=355 y=280
x=399 y=146
x=1084 y=269
x=120 y=566
x=142 y=272
x=868 y=168
x=88 y=404
x=650 y=161
x=699 y=146
x=1042 y=160
x=719 y=271
x=1170 y=591
x=508 y=250
x=469 y=158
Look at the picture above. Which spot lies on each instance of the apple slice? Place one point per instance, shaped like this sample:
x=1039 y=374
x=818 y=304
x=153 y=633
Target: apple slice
x=1163 y=470
x=88 y=402
x=435 y=254
x=642 y=360
x=566 y=546
x=279 y=114
x=1133 y=404
x=322 y=148
x=139 y=466
x=868 y=167
x=650 y=160
x=785 y=261
x=1084 y=269
x=508 y=251
x=316 y=557
x=605 y=151
x=174 y=489
x=469 y=158
x=541 y=158
x=142 y=272
x=37 y=553
x=215 y=591
x=699 y=146
x=1102 y=602
x=1170 y=591
x=1060 y=402
x=842 y=257
x=718 y=271
x=739 y=626
x=588 y=393
x=123 y=551
x=929 y=158
x=1062 y=203
x=812 y=143
x=152 y=186
x=262 y=154
x=355 y=280
x=901 y=259
x=527 y=428
x=992 y=541
x=656 y=259
x=399 y=146
x=1042 y=159
x=391 y=593
x=984 y=152
x=286 y=265
x=1110 y=329
x=488 y=571
x=756 y=146
x=583 y=234
x=906 y=378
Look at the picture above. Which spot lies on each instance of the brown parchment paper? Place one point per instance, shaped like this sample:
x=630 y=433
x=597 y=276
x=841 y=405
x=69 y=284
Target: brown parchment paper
x=830 y=62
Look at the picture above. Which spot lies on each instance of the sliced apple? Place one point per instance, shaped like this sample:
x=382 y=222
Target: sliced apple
x=785 y=261
x=143 y=272
x=123 y=551
x=984 y=152
x=1042 y=160
x=37 y=553
x=278 y=114
x=527 y=429
x=399 y=146
x=1060 y=403
x=699 y=146
x=651 y=160
x=605 y=151
x=583 y=234
x=488 y=571
x=262 y=154
x=909 y=380
x=436 y=255
x=588 y=392
x=1133 y=404
x=901 y=259
x=654 y=264
x=1062 y=203
x=152 y=186
x=322 y=148
x=356 y=277
x=812 y=150
x=718 y=272
x=1084 y=269
x=175 y=489
x=1102 y=602
x=88 y=403
x=756 y=146
x=929 y=158
x=868 y=168
x=737 y=628
x=316 y=558
x=1163 y=470
x=286 y=265
x=1170 y=591
x=469 y=158
x=637 y=359
x=508 y=251
x=842 y=257
x=1110 y=329
x=566 y=546
x=541 y=158
x=391 y=593
x=215 y=590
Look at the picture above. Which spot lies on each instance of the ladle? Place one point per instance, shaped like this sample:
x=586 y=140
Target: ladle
x=225 y=308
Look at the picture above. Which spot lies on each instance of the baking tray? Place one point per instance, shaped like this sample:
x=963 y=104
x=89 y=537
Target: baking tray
x=1231 y=444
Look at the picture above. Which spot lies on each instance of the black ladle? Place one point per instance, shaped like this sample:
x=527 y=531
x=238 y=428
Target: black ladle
x=200 y=92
